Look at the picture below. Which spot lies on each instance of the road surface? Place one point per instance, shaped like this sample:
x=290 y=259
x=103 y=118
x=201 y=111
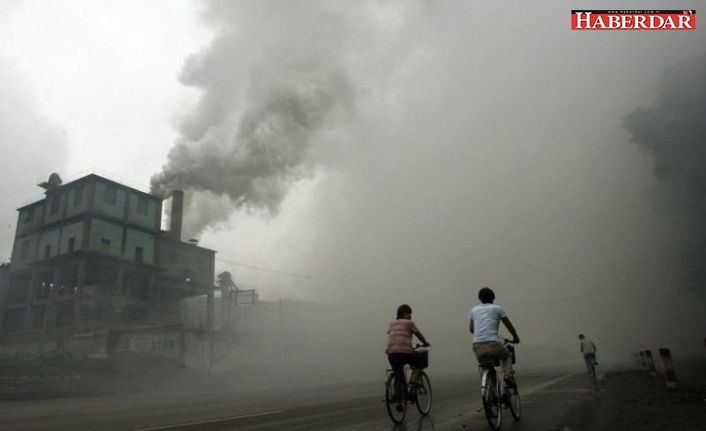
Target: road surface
x=551 y=401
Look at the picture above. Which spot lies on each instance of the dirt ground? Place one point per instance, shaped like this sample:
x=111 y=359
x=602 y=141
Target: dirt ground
x=61 y=375
x=635 y=400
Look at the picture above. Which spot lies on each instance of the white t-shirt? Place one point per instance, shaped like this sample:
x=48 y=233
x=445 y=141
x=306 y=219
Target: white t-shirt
x=587 y=346
x=486 y=322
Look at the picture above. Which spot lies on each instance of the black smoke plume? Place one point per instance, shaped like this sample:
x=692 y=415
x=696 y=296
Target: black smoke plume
x=268 y=94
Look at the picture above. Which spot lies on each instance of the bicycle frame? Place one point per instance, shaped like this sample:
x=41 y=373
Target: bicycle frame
x=406 y=373
x=487 y=371
x=407 y=370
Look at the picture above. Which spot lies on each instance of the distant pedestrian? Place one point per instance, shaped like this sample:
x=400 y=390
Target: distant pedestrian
x=588 y=349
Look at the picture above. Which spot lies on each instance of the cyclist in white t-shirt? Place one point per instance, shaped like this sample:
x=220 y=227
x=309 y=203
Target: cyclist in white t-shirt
x=484 y=324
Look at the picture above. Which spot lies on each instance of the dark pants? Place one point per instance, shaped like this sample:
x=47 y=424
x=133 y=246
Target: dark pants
x=398 y=361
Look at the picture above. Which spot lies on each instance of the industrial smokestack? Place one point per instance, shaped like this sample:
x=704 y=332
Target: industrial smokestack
x=177 y=214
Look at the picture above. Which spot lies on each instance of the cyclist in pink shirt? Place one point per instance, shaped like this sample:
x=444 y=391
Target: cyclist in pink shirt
x=399 y=344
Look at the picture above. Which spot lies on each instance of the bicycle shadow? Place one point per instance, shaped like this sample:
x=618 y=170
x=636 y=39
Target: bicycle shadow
x=423 y=423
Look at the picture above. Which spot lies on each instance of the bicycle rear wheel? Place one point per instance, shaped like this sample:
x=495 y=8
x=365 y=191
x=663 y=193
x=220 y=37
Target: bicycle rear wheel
x=513 y=401
x=423 y=392
x=491 y=400
x=395 y=402
x=592 y=374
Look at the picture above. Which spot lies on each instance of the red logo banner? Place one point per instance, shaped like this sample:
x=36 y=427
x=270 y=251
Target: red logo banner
x=633 y=19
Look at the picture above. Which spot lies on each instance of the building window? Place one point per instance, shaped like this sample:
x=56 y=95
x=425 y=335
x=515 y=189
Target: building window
x=24 y=251
x=29 y=215
x=78 y=196
x=142 y=205
x=111 y=195
x=105 y=244
x=139 y=251
x=47 y=251
x=72 y=244
x=188 y=275
x=54 y=205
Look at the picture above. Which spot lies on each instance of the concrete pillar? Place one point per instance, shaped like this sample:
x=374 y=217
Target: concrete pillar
x=30 y=298
x=4 y=290
x=78 y=294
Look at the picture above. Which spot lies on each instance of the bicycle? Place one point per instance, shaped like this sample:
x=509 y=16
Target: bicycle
x=399 y=394
x=497 y=394
x=591 y=367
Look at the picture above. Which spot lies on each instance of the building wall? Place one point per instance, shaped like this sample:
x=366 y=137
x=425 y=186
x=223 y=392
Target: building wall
x=30 y=248
x=55 y=203
x=109 y=199
x=106 y=238
x=77 y=199
x=30 y=219
x=24 y=251
x=72 y=231
x=143 y=240
x=179 y=260
x=48 y=240
x=142 y=211
x=71 y=201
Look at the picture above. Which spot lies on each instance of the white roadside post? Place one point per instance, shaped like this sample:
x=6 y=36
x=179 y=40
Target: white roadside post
x=669 y=375
x=650 y=363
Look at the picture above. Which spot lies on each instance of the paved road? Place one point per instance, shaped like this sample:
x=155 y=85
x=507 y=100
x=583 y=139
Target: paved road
x=550 y=401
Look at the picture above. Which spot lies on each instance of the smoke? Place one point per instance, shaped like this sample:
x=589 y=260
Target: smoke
x=491 y=155
x=273 y=83
x=445 y=152
x=673 y=133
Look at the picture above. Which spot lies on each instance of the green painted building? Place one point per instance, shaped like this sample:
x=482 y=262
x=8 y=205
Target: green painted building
x=92 y=254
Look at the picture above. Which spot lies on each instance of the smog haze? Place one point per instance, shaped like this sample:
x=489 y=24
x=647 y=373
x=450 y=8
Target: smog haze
x=361 y=155
x=421 y=151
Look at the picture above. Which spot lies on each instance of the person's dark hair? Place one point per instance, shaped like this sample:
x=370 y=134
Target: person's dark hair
x=581 y=336
x=403 y=309
x=486 y=295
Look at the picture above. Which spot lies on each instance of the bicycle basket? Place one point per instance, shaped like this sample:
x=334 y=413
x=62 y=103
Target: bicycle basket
x=423 y=358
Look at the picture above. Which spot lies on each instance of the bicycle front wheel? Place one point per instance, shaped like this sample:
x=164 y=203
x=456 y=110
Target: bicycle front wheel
x=491 y=400
x=394 y=399
x=423 y=394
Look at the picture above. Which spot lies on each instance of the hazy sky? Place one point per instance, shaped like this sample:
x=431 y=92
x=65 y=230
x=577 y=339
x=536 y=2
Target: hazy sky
x=382 y=152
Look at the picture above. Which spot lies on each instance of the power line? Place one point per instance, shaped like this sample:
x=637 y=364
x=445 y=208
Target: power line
x=312 y=277
x=272 y=271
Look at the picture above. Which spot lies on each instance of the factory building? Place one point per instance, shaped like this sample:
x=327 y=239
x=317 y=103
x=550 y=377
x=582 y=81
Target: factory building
x=92 y=255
